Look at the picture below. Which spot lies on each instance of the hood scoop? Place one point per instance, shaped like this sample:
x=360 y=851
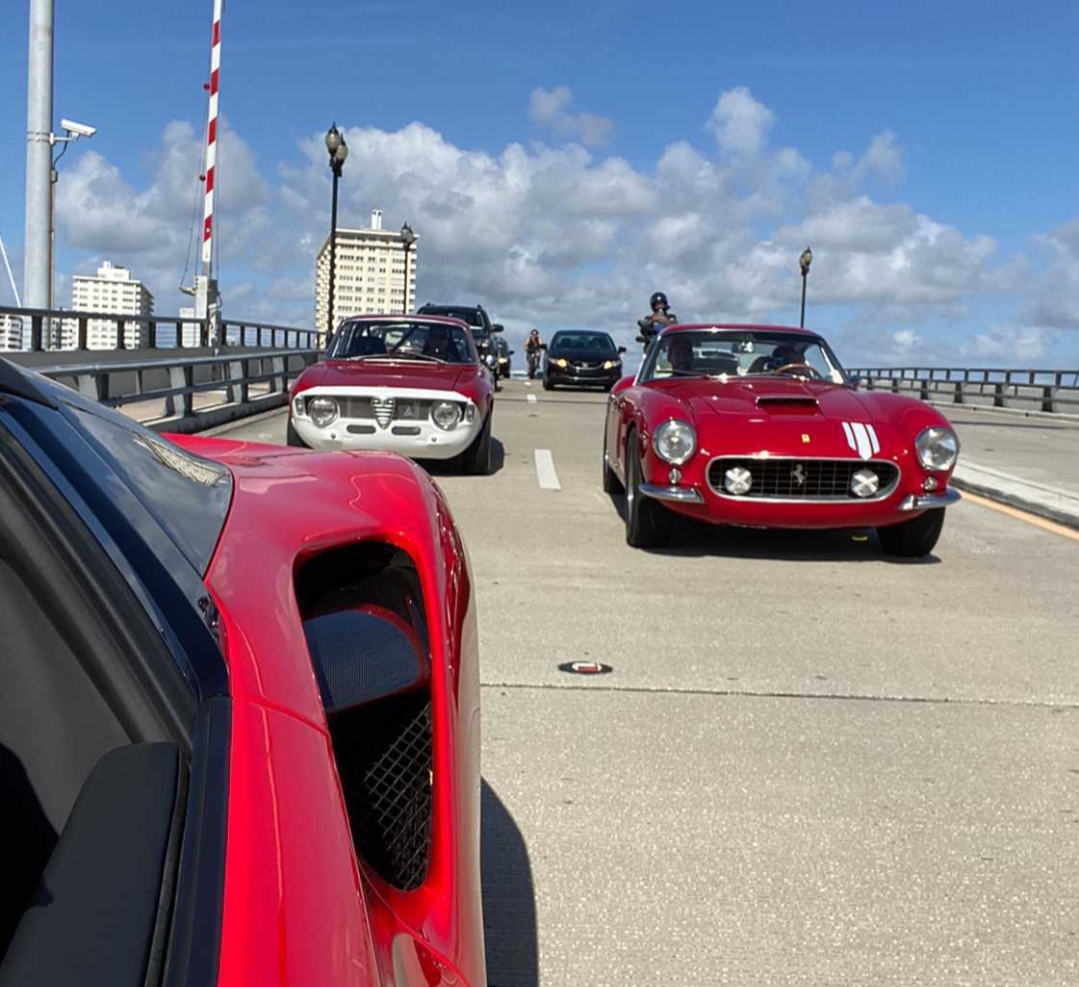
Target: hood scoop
x=791 y=404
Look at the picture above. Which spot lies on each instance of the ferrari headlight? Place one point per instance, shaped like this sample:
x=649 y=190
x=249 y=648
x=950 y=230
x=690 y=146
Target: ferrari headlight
x=675 y=441
x=446 y=415
x=937 y=448
x=322 y=411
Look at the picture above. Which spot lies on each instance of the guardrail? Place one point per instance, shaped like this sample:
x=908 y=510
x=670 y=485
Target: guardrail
x=1051 y=391
x=40 y=329
x=189 y=393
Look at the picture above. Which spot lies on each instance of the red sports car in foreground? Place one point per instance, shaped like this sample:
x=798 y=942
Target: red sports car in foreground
x=239 y=722
x=399 y=383
x=759 y=426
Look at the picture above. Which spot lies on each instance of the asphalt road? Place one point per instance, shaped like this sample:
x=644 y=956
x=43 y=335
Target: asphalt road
x=810 y=764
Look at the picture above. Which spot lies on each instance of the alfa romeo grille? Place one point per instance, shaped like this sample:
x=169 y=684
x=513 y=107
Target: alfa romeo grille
x=383 y=409
x=383 y=752
x=801 y=479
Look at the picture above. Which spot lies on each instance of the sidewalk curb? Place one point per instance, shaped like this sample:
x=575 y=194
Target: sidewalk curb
x=1047 y=502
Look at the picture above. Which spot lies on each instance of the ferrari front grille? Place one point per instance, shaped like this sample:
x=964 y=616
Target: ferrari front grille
x=801 y=479
x=383 y=752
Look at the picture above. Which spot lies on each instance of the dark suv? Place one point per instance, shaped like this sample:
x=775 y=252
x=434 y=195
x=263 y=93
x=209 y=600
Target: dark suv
x=476 y=318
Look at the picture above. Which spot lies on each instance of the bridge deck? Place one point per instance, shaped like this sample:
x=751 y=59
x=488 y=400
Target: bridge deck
x=810 y=765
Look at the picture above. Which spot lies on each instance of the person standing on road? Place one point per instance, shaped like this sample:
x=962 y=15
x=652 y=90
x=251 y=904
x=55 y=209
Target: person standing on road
x=534 y=346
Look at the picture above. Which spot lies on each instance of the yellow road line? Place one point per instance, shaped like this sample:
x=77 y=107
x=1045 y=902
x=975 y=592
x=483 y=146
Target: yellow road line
x=1038 y=522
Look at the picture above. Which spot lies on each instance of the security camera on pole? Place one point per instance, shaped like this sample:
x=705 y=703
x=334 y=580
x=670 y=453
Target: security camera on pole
x=803 y=262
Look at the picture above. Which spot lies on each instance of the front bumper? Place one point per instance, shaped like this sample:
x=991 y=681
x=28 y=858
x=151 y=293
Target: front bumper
x=583 y=376
x=418 y=438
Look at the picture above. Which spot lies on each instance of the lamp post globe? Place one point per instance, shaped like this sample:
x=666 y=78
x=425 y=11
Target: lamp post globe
x=407 y=239
x=338 y=151
x=803 y=262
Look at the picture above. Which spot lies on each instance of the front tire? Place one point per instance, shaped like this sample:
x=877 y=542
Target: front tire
x=476 y=459
x=292 y=438
x=915 y=538
x=648 y=524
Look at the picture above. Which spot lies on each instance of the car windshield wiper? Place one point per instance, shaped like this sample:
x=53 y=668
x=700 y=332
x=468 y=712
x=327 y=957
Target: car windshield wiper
x=405 y=356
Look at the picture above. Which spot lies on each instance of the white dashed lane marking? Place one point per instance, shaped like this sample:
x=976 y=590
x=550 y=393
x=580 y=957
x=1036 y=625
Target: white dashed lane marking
x=532 y=399
x=545 y=471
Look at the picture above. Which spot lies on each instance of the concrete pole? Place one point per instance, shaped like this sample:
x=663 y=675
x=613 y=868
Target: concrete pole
x=37 y=275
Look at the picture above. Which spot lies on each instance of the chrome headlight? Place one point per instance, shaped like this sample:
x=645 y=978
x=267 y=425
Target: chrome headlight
x=297 y=406
x=322 y=411
x=937 y=448
x=446 y=415
x=675 y=441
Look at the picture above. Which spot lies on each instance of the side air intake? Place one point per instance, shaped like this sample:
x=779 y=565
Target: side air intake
x=367 y=636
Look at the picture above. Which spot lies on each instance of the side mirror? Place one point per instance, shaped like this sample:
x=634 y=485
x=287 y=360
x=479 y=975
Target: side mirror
x=622 y=349
x=512 y=352
x=641 y=339
x=497 y=327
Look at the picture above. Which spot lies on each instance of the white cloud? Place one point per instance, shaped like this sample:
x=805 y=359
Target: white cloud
x=552 y=108
x=740 y=123
x=558 y=234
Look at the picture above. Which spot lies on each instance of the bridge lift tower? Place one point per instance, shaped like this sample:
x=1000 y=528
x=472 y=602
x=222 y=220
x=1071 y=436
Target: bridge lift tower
x=204 y=290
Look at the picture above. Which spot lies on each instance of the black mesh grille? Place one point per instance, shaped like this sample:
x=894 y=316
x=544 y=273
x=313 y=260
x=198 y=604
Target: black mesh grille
x=802 y=479
x=383 y=752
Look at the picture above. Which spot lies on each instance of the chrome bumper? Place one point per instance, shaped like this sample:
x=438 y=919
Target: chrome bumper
x=677 y=495
x=929 y=501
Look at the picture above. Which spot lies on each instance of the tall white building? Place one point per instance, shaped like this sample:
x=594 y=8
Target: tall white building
x=369 y=273
x=11 y=332
x=111 y=291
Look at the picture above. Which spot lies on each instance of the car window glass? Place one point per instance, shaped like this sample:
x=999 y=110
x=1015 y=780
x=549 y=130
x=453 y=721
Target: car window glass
x=401 y=338
x=714 y=354
x=187 y=494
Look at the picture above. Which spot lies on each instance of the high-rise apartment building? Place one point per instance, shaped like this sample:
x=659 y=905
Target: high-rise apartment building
x=111 y=291
x=11 y=337
x=369 y=273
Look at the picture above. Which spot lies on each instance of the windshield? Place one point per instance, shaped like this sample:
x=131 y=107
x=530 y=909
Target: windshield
x=719 y=353
x=402 y=339
x=597 y=342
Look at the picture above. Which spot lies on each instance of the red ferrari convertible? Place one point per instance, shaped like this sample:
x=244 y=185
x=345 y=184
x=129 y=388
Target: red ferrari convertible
x=760 y=426
x=398 y=383
x=239 y=726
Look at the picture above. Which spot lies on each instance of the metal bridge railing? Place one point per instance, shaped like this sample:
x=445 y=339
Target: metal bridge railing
x=189 y=393
x=38 y=329
x=1053 y=391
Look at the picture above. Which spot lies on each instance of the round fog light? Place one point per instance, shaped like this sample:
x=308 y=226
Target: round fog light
x=676 y=476
x=738 y=480
x=864 y=483
x=930 y=483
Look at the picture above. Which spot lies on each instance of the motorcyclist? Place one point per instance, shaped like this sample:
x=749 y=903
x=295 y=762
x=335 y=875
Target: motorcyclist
x=658 y=319
x=534 y=347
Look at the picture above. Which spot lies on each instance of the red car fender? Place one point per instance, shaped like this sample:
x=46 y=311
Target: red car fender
x=298 y=909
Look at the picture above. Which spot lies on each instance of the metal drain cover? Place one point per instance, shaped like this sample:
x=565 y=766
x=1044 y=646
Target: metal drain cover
x=585 y=668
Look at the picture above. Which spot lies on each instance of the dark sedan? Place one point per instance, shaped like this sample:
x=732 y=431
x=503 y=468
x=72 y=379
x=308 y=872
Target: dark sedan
x=583 y=358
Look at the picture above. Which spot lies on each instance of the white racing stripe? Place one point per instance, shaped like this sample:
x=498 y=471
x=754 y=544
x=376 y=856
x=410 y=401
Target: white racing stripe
x=532 y=399
x=545 y=471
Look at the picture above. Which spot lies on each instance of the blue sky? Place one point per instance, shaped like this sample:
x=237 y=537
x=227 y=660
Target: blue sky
x=565 y=160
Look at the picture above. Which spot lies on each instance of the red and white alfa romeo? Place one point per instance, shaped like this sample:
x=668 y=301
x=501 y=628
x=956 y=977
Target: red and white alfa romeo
x=398 y=383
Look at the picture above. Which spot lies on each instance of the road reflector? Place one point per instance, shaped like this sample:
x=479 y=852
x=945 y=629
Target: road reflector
x=585 y=668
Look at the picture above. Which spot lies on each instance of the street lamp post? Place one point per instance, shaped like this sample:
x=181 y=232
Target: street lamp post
x=407 y=238
x=338 y=151
x=803 y=262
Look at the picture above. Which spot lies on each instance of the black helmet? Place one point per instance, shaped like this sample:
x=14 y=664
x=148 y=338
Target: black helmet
x=658 y=300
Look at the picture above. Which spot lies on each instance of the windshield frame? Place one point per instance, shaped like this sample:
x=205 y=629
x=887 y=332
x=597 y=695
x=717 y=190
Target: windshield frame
x=647 y=367
x=453 y=325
